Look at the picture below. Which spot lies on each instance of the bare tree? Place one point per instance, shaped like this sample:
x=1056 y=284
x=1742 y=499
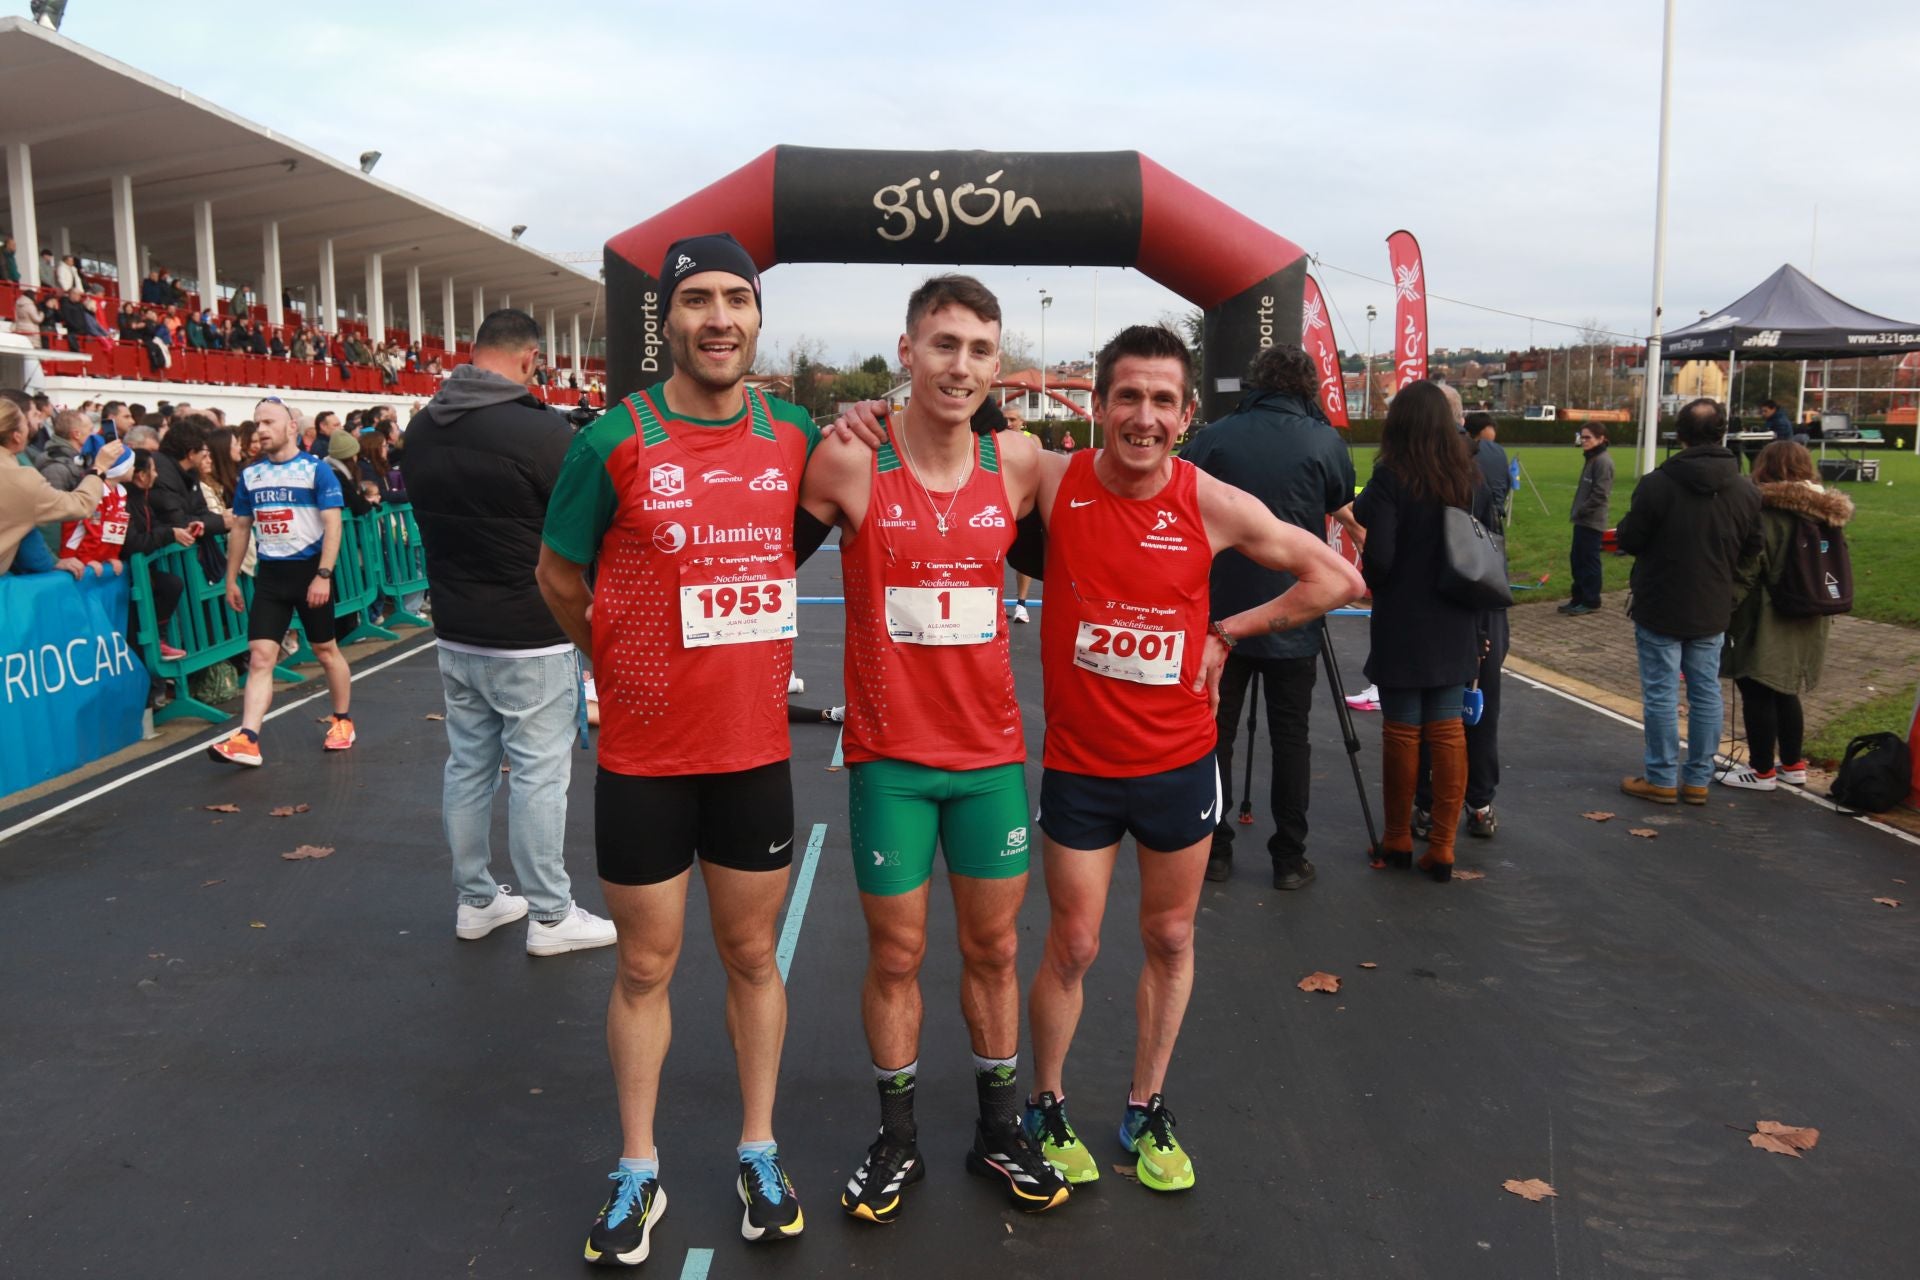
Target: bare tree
x=1016 y=353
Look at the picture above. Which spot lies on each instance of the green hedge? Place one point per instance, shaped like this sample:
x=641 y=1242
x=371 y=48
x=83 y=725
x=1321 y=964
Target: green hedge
x=1516 y=430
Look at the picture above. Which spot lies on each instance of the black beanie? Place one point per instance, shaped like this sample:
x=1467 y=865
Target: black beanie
x=718 y=252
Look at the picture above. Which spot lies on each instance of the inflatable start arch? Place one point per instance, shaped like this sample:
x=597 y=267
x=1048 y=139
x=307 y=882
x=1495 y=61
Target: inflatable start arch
x=1020 y=208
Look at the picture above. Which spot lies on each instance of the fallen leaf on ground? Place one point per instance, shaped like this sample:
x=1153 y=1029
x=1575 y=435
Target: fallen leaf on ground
x=288 y=810
x=1795 y=1136
x=1130 y=1172
x=1596 y=815
x=1318 y=981
x=536 y=1091
x=309 y=851
x=433 y=715
x=221 y=808
x=256 y=924
x=1459 y=874
x=1532 y=1189
x=1898 y=880
x=208 y=884
x=1368 y=964
x=1888 y=902
x=1645 y=833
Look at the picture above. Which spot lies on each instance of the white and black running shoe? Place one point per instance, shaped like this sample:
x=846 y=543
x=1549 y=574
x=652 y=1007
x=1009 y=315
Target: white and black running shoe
x=1005 y=1152
x=773 y=1207
x=622 y=1234
x=873 y=1192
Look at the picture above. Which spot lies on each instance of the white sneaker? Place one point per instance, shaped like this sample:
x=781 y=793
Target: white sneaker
x=1794 y=773
x=837 y=714
x=1747 y=780
x=796 y=685
x=1368 y=699
x=1020 y=613
x=577 y=930
x=478 y=922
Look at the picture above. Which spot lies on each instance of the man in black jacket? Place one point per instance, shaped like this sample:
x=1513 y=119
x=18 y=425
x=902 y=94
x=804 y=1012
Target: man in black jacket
x=480 y=464
x=1691 y=522
x=1277 y=446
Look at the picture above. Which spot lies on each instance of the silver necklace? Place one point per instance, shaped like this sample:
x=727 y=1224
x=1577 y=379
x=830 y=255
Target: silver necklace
x=913 y=469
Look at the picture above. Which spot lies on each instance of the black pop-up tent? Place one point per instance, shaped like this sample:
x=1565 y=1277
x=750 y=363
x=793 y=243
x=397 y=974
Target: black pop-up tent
x=1789 y=317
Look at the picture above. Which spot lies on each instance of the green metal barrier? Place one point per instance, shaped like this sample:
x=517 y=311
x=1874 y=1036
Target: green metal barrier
x=202 y=625
x=356 y=584
x=402 y=560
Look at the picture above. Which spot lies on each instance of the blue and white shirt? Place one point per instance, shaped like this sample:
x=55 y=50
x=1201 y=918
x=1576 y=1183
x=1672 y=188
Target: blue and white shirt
x=284 y=500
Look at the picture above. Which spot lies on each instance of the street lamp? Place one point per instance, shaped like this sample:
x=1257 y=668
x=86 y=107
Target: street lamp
x=1366 y=379
x=1046 y=300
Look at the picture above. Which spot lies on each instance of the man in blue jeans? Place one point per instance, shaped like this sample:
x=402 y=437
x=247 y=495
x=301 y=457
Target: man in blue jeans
x=480 y=464
x=1691 y=521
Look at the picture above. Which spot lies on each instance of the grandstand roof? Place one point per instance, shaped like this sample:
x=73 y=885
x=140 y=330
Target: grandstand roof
x=90 y=118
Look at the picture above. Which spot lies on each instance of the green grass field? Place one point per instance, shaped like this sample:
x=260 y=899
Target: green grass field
x=1884 y=537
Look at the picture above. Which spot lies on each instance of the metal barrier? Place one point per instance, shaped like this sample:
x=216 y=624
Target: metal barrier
x=201 y=625
x=356 y=585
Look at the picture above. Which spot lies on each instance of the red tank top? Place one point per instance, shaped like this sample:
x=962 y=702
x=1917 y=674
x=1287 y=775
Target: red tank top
x=1124 y=626
x=101 y=535
x=694 y=601
x=929 y=678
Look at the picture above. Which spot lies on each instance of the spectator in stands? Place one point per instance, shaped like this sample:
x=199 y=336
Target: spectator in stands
x=276 y=347
x=199 y=332
x=257 y=340
x=302 y=348
x=176 y=496
x=325 y=423
x=66 y=275
x=144 y=438
x=77 y=314
x=1692 y=521
x=243 y=299
x=391 y=363
x=481 y=463
x=372 y=466
x=27 y=500
x=27 y=316
x=152 y=293
x=1771 y=657
x=239 y=335
x=46 y=267
x=9 y=261
x=63 y=461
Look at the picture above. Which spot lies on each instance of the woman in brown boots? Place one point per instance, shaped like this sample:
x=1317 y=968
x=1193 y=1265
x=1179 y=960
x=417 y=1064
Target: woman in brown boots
x=1425 y=648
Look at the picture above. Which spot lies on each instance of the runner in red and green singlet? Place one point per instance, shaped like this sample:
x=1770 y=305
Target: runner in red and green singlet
x=934 y=742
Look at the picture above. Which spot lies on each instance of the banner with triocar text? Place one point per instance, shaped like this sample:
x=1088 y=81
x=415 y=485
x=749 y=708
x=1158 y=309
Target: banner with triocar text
x=71 y=685
x=1409 y=309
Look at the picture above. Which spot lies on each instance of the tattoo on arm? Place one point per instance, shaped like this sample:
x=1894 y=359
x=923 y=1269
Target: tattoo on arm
x=1282 y=621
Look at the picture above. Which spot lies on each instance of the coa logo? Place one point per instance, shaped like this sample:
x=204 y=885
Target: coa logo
x=769 y=481
x=670 y=536
x=989 y=518
x=667 y=480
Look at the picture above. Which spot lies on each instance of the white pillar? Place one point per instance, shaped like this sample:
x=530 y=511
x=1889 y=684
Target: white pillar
x=506 y=300
x=209 y=277
x=553 y=342
x=416 y=311
x=26 y=230
x=579 y=363
x=329 y=317
x=376 y=301
x=479 y=308
x=272 y=283
x=146 y=261
x=446 y=311
x=126 y=245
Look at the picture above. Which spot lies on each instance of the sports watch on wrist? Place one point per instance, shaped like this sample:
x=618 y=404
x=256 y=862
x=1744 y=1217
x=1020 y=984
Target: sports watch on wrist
x=323 y=573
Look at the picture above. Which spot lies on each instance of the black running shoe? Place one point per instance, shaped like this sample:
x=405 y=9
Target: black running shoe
x=873 y=1192
x=773 y=1207
x=621 y=1235
x=1033 y=1184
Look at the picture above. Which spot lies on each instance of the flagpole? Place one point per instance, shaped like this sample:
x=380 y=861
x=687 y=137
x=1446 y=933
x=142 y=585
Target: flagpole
x=1650 y=412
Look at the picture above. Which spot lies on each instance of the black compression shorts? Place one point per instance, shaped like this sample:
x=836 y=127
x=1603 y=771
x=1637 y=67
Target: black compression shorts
x=280 y=592
x=646 y=830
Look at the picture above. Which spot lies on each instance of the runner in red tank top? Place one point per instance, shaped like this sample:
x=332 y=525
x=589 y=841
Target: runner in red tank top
x=1132 y=674
x=934 y=740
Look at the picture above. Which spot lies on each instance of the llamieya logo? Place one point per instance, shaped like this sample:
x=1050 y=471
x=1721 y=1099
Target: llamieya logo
x=973 y=204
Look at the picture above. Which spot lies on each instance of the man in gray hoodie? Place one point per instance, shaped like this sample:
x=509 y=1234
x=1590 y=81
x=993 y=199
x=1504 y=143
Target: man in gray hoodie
x=1589 y=517
x=479 y=465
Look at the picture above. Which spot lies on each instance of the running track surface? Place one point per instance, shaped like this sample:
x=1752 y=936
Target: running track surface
x=349 y=1091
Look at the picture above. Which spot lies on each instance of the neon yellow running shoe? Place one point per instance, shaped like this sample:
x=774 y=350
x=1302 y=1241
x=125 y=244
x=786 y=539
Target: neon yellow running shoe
x=1148 y=1133
x=1046 y=1123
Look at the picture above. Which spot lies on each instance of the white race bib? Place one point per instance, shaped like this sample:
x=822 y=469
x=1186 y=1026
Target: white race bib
x=943 y=615
x=738 y=612
x=273 y=522
x=1128 y=653
x=114 y=532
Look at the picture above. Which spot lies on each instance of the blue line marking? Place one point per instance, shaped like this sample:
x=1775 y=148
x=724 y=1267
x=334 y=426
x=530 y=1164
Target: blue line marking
x=797 y=908
x=838 y=759
x=699 y=1262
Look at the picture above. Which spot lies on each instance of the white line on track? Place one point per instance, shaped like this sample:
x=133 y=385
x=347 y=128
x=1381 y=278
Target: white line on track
x=1801 y=792
x=198 y=748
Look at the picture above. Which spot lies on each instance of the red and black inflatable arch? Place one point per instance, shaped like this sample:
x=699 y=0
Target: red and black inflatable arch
x=1095 y=209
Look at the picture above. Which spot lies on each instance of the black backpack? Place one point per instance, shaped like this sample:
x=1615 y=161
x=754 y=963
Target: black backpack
x=1817 y=579
x=1876 y=774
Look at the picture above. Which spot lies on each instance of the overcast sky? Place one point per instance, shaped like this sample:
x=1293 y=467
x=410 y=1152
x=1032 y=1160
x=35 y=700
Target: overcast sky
x=1517 y=140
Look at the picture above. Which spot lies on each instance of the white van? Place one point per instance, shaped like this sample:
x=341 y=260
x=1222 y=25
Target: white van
x=1540 y=413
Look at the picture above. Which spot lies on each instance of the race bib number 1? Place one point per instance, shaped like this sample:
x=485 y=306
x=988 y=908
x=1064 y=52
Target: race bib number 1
x=943 y=615
x=1127 y=653
x=737 y=612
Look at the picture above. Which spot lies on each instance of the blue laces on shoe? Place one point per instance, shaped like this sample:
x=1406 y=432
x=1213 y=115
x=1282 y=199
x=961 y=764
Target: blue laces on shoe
x=629 y=1189
x=773 y=1187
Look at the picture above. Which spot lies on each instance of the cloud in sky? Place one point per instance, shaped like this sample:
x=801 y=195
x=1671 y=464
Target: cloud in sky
x=1516 y=139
